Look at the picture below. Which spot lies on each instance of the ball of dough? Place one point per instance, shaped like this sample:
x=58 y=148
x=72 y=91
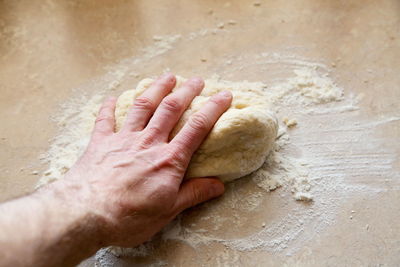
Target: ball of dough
x=240 y=140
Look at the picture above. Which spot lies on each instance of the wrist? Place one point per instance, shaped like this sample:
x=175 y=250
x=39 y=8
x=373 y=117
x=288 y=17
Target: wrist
x=75 y=218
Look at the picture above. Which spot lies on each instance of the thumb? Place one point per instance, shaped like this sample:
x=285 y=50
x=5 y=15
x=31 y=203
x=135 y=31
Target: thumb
x=197 y=190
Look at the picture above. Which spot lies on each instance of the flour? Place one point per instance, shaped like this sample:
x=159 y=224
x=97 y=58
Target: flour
x=314 y=87
x=280 y=169
x=76 y=120
x=162 y=45
x=311 y=161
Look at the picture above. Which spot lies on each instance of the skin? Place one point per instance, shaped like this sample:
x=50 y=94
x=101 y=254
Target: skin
x=125 y=187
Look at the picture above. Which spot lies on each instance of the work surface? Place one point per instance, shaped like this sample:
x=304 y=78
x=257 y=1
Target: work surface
x=52 y=51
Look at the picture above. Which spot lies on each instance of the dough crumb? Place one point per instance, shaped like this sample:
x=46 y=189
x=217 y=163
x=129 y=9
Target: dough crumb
x=289 y=122
x=232 y=22
x=257 y=3
x=157 y=38
x=35 y=173
x=303 y=196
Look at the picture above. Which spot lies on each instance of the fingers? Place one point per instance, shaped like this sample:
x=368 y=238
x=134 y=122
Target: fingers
x=197 y=190
x=145 y=105
x=172 y=107
x=105 y=121
x=199 y=124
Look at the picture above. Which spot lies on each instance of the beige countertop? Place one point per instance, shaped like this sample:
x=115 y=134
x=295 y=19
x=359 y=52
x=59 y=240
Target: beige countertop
x=51 y=51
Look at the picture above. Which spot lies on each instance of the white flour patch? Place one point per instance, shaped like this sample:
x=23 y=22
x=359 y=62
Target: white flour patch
x=319 y=160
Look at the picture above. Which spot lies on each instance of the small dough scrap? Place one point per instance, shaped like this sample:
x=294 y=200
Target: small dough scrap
x=289 y=122
x=240 y=140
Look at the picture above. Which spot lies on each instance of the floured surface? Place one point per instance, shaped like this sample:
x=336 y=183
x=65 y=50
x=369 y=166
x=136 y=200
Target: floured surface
x=310 y=163
x=349 y=150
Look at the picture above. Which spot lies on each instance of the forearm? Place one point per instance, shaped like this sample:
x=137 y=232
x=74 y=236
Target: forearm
x=48 y=228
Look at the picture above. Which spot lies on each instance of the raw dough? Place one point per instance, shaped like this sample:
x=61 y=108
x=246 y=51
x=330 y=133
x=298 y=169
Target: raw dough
x=240 y=140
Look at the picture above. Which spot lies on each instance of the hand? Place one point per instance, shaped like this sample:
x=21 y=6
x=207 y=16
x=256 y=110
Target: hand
x=133 y=179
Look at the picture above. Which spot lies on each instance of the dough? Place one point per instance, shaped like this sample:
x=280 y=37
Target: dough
x=240 y=140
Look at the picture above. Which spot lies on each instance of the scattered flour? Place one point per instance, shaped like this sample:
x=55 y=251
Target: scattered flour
x=314 y=87
x=162 y=45
x=279 y=169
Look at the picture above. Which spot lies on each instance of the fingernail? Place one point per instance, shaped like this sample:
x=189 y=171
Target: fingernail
x=168 y=77
x=110 y=98
x=196 y=80
x=226 y=94
x=216 y=189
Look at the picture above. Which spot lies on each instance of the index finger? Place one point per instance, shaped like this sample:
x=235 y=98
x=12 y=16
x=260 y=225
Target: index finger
x=105 y=120
x=200 y=124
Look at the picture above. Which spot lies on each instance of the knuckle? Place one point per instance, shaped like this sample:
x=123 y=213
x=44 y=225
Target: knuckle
x=172 y=104
x=102 y=118
x=143 y=103
x=197 y=196
x=104 y=109
x=199 y=122
x=153 y=132
x=149 y=136
x=177 y=158
x=163 y=191
x=165 y=187
x=146 y=141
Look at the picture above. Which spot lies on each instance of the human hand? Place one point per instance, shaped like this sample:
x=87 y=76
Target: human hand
x=133 y=179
